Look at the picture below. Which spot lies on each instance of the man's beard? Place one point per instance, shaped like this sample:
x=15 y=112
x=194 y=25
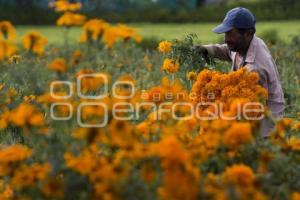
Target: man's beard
x=234 y=48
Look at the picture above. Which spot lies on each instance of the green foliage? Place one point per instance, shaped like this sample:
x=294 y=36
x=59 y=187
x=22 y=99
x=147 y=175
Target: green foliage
x=149 y=43
x=187 y=56
x=264 y=10
x=270 y=36
x=27 y=15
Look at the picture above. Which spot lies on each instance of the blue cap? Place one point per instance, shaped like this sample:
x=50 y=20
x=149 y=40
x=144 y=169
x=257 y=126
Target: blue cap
x=236 y=18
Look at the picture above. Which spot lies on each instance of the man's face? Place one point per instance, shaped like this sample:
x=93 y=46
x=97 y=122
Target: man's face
x=234 y=40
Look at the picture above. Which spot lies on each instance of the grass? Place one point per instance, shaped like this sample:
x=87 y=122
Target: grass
x=170 y=31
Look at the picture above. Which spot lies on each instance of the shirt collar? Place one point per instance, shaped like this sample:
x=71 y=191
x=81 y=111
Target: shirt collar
x=250 y=56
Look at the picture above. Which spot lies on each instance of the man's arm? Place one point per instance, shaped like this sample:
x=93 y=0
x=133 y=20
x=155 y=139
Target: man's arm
x=219 y=51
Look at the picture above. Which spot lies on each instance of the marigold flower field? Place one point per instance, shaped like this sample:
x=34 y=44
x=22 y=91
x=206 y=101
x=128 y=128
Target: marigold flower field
x=106 y=119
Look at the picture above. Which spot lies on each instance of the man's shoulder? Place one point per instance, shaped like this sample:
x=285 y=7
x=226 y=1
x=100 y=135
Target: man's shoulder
x=262 y=50
x=260 y=43
x=263 y=61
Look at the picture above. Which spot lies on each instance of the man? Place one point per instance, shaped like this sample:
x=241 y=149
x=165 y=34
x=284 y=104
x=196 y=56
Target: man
x=244 y=49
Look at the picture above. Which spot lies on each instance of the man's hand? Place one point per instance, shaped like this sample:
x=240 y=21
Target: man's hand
x=200 y=50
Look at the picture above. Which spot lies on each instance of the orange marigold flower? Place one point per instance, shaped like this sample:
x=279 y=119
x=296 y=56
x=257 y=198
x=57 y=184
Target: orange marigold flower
x=59 y=65
x=6 y=191
x=92 y=112
x=192 y=76
x=176 y=164
x=252 y=77
x=177 y=151
x=14 y=59
x=239 y=133
x=227 y=86
x=110 y=36
x=7 y=49
x=84 y=163
x=295 y=196
x=296 y=126
x=69 y=19
x=63 y=6
x=76 y=57
x=165 y=47
x=26 y=114
x=91 y=80
x=294 y=143
x=170 y=65
x=35 y=42
x=121 y=31
x=16 y=152
x=4 y=119
x=29 y=98
x=125 y=32
x=93 y=30
x=156 y=94
x=240 y=175
x=143 y=128
x=7 y=31
x=27 y=176
x=287 y=122
x=36 y=119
